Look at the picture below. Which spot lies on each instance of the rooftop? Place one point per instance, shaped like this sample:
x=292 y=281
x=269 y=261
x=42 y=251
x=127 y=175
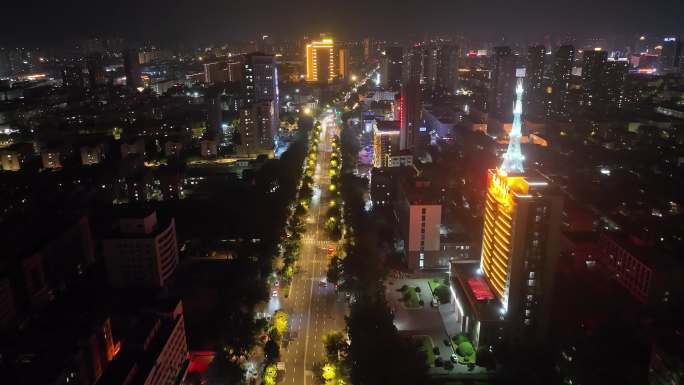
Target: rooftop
x=468 y=284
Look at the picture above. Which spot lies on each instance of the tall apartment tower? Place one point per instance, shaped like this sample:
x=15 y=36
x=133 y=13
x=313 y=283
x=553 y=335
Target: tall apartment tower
x=521 y=240
x=72 y=76
x=536 y=95
x=321 y=61
x=392 y=67
x=343 y=63
x=593 y=68
x=560 y=82
x=447 y=65
x=96 y=70
x=257 y=127
x=260 y=77
x=502 y=83
x=409 y=115
x=132 y=68
x=671 y=54
x=614 y=77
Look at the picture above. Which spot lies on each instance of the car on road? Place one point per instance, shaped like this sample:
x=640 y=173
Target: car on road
x=454 y=358
x=323 y=283
x=434 y=302
x=274 y=293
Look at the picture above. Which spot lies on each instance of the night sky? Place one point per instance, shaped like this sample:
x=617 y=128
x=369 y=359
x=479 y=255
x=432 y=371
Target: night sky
x=43 y=21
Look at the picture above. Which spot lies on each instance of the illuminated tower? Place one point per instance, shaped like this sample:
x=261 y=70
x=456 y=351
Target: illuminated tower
x=513 y=158
x=320 y=61
x=520 y=240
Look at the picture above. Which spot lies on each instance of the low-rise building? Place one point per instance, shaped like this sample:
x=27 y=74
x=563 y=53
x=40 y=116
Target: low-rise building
x=50 y=157
x=650 y=276
x=419 y=213
x=91 y=155
x=11 y=160
x=134 y=146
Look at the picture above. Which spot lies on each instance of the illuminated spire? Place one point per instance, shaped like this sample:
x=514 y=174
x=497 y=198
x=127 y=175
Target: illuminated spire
x=513 y=158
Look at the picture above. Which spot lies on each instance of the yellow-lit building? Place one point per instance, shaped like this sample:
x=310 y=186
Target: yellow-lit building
x=385 y=142
x=507 y=297
x=321 y=61
x=520 y=246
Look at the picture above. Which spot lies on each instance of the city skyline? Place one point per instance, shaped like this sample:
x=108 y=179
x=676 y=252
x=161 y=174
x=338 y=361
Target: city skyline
x=342 y=193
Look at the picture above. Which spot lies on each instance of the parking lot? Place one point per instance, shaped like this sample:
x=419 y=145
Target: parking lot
x=424 y=320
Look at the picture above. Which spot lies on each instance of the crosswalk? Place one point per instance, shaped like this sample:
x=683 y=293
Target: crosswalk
x=311 y=240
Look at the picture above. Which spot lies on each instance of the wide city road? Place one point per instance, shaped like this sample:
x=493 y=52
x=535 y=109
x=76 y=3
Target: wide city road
x=314 y=307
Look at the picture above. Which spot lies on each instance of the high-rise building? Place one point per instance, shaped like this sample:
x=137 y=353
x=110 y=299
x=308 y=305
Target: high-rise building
x=409 y=115
x=386 y=136
x=96 y=70
x=614 y=83
x=508 y=298
x=671 y=54
x=320 y=61
x=560 y=83
x=502 y=84
x=430 y=62
x=260 y=78
x=368 y=48
x=534 y=73
x=132 y=68
x=214 y=114
x=343 y=63
x=447 y=66
x=414 y=58
x=257 y=127
x=593 y=72
x=521 y=239
x=72 y=76
x=142 y=252
x=5 y=67
x=392 y=64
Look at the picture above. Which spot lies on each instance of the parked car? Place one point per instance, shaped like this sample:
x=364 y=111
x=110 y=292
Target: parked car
x=434 y=302
x=274 y=293
x=454 y=358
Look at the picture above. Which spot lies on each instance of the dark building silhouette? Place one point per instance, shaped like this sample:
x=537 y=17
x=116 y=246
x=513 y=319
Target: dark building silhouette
x=96 y=71
x=534 y=72
x=260 y=77
x=447 y=66
x=132 y=68
x=502 y=87
x=409 y=115
x=560 y=82
x=392 y=65
x=415 y=64
x=615 y=74
x=72 y=76
x=671 y=55
x=593 y=67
